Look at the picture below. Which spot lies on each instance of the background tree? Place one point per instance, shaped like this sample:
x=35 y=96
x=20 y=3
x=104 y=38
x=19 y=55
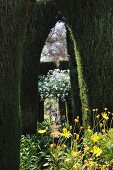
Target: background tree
x=55 y=87
x=55 y=48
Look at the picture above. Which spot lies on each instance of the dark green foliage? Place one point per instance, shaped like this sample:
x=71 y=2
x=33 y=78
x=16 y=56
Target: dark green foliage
x=40 y=114
x=75 y=92
x=69 y=108
x=78 y=90
x=92 y=25
x=34 y=149
x=95 y=44
x=64 y=65
x=46 y=66
x=11 y=36
x=28 y=153
x=62 y=110
x=41 y=22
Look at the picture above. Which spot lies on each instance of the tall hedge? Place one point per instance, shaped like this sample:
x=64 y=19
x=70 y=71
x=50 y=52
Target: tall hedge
x=12 y=13
x=79 y=90
x=41 y=22
x=92 y=23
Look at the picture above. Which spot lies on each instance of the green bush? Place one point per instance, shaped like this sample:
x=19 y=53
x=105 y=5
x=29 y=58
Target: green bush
x=28 y=153
x=34 y=149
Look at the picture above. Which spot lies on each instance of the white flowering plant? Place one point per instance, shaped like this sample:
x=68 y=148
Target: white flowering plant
x=56 y=83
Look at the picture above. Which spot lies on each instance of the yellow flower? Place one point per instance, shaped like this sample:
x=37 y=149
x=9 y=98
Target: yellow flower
x=77 y=136
x=103 y=130
x=89 y=129
x=81 y=127
x=78 y=117
x=41 y=131
x=96 y=151
x=53 y=145
x=94 y=110
x=95 y=137
x=66 y=133
x=86 y=148
x=90 y=164
x=100 y=125
x=74 y=153
x=46 y=128
x=104 y=121
x=68 y=160
x=76 y=121
x=63 y=146
x=75 y=167
x=104 y=115
x=97 y=116
x=58 y=147
x=70 y=127
x=103 y=167
x=110 y=131
x=96 y=165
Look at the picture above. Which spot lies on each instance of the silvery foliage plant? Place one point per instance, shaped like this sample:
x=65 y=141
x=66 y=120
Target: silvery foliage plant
x=56 y=83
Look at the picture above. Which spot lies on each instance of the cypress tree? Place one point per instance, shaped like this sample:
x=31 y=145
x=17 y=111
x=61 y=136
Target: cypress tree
x=41 y=22
x=14 y=16
x=91 y=23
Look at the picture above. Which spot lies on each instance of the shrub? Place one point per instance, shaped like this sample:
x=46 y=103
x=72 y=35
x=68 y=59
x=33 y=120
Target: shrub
x=56 y=83
x=28 y=153
x=34 y=149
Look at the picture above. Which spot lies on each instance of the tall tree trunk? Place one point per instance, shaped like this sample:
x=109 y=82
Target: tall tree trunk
x=62 y=110
x=69 y=108
x=41 y=22
x=12 y=13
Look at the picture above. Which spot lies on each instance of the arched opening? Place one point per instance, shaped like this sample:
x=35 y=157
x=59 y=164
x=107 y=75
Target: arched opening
x=54 y=80
x=91 y=23
x=35 y=113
